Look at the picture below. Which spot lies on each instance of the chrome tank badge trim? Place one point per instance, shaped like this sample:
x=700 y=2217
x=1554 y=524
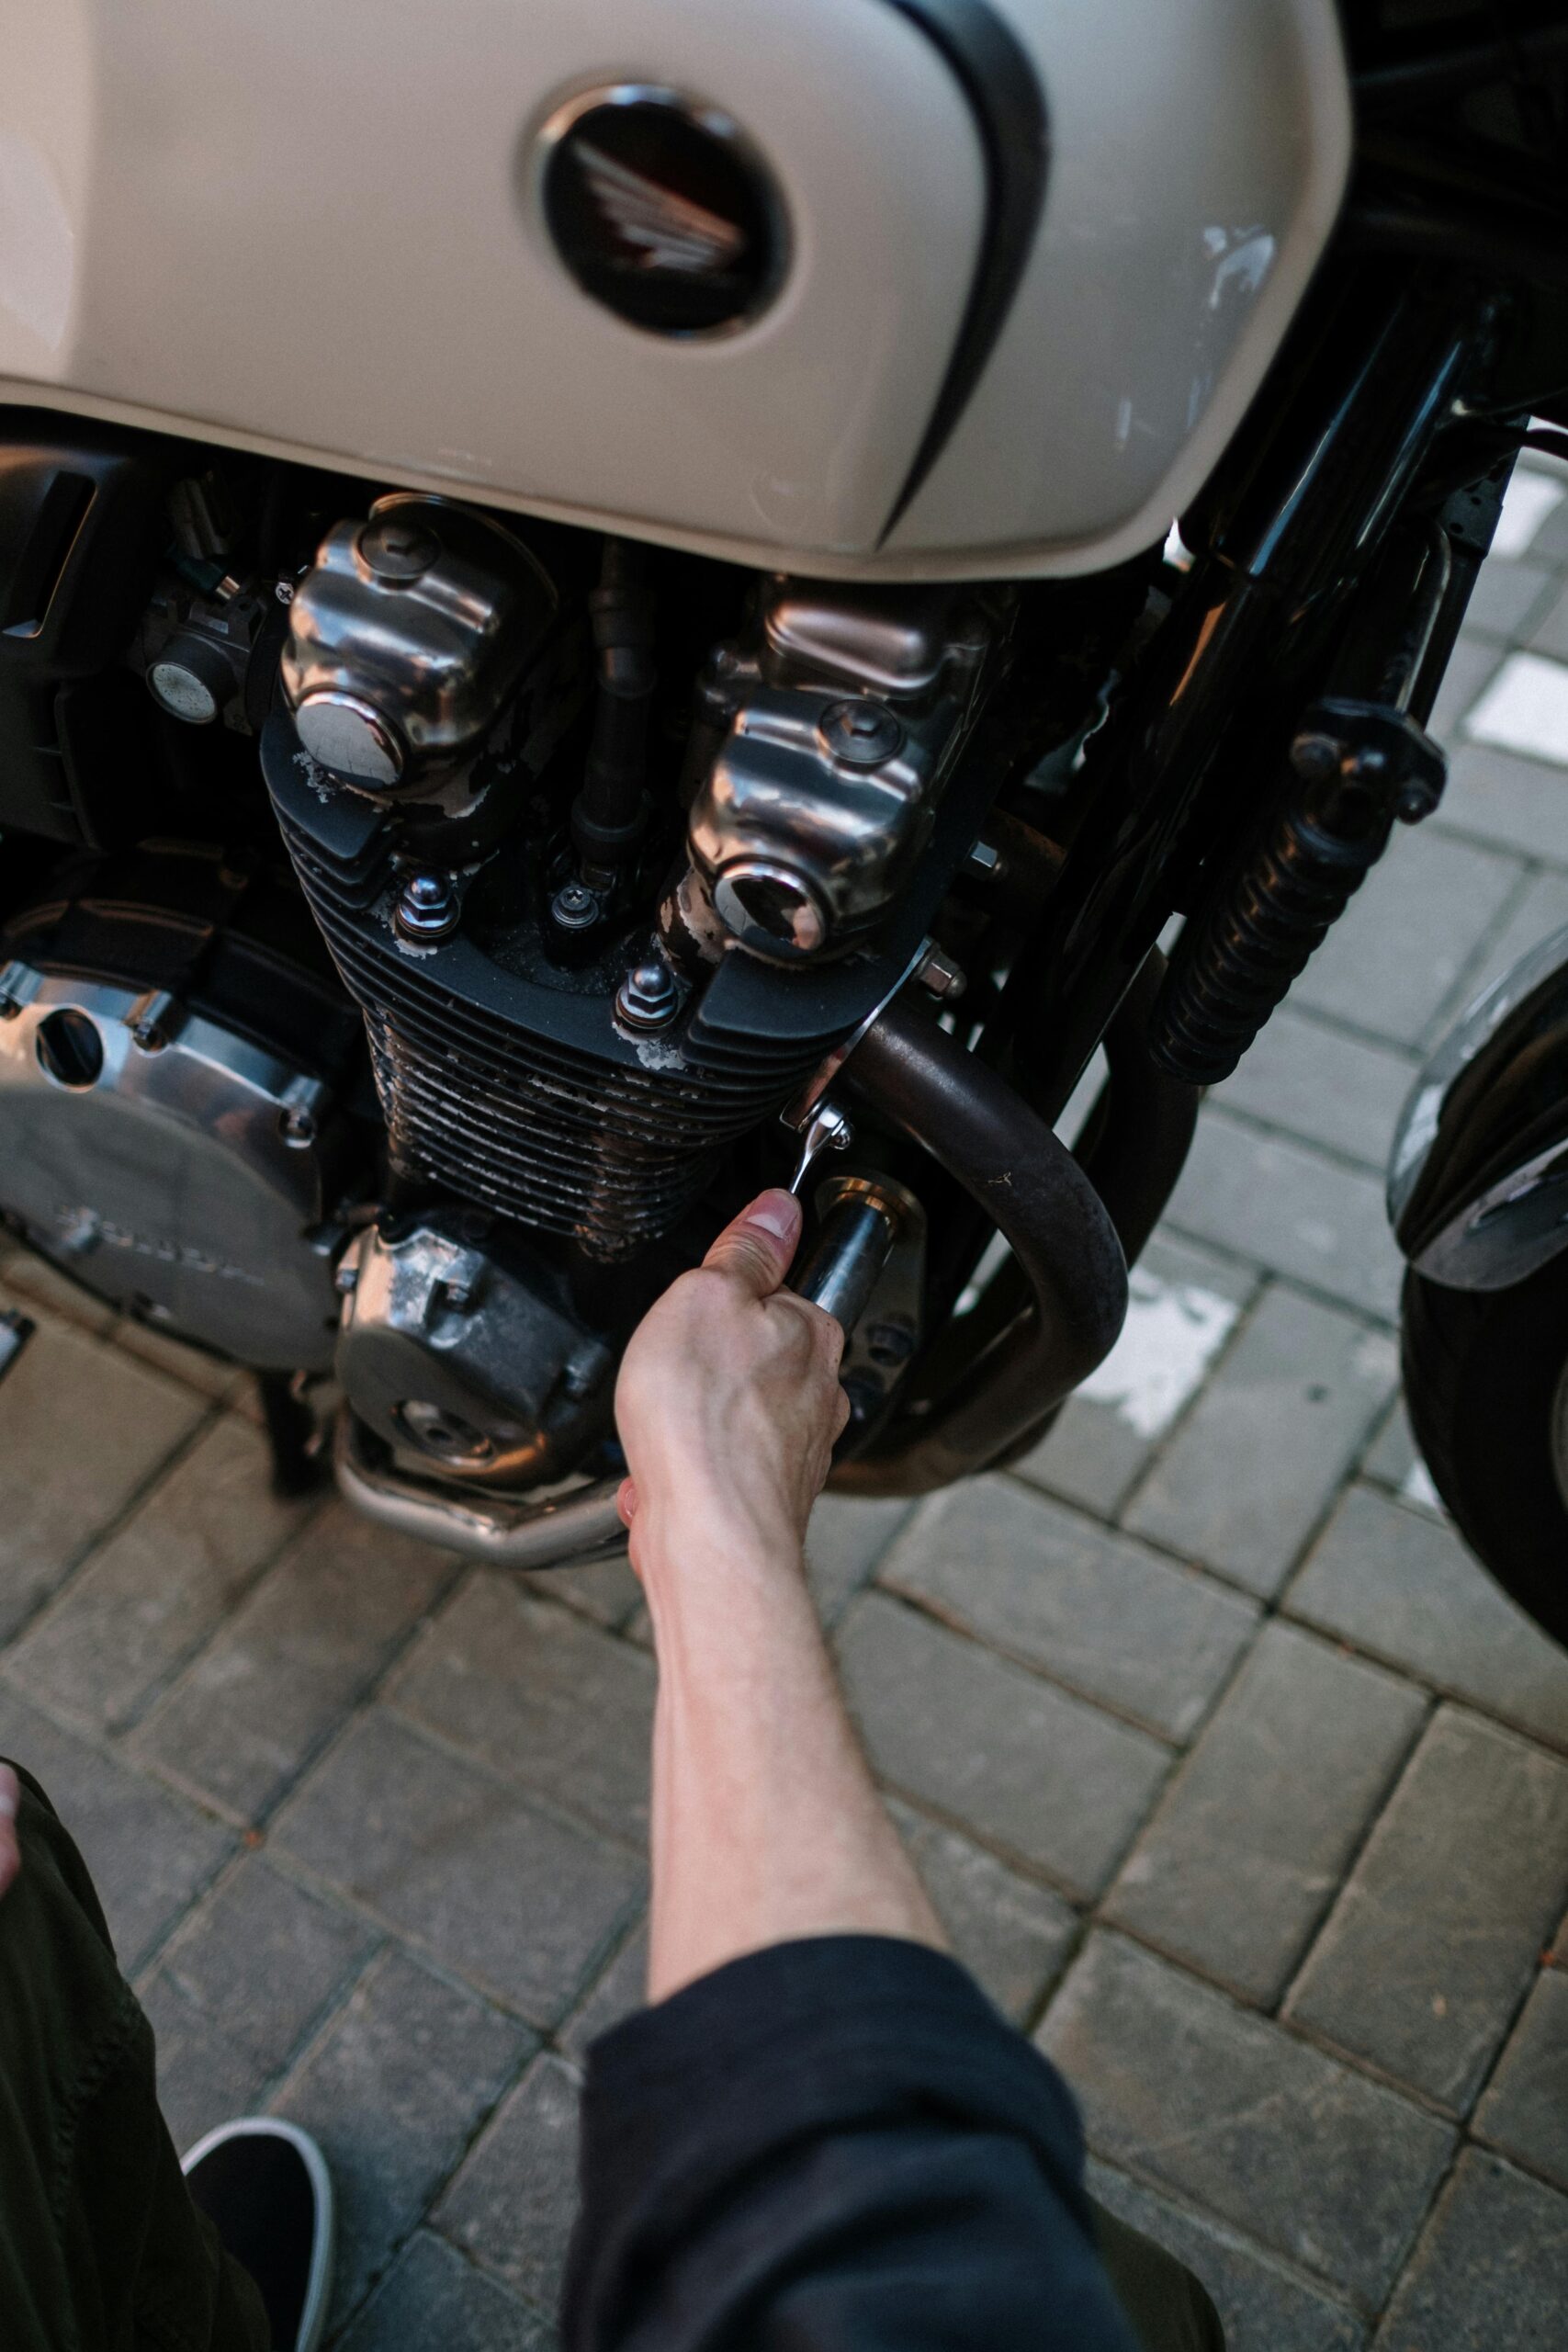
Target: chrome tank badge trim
x=661 y=209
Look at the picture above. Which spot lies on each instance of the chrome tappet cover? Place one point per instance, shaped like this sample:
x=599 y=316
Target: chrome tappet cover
x=177 y=1169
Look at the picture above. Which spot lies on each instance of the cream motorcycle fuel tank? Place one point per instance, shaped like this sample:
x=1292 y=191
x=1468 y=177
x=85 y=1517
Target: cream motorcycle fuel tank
x=879 y=288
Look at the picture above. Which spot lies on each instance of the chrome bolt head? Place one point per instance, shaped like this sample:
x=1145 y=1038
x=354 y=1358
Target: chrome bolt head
x=648 y=998
x=860 y=732
x=574 y=906
x=428 y=909
x=940 y=976
x=296 y=1126
x=397 y=548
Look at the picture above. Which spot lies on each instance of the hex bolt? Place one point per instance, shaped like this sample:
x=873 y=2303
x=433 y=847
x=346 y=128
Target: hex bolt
x=648 y=998
x=574 y=906
x=890 y=1343
x=428 y=909
x=861 y=733
x=940 y=976
x=346 y=1279
x=397 y=548
x=296 y=1126
x=984 y=857
x=1316 y=757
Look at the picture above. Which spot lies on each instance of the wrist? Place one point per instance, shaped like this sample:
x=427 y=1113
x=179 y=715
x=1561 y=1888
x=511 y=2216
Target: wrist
x=690 y=1554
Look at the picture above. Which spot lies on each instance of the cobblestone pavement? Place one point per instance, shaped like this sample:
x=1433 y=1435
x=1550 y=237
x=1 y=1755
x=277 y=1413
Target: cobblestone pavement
x=1238 y=1783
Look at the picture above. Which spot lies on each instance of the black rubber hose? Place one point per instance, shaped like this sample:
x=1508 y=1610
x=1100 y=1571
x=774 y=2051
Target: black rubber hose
x=610 y=814
x=917 y=1077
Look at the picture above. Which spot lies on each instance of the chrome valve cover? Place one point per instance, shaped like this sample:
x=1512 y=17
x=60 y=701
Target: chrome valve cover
x=405 y=638
x=833 y=735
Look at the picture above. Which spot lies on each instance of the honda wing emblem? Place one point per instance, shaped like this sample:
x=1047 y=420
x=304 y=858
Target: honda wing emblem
x=665 y=230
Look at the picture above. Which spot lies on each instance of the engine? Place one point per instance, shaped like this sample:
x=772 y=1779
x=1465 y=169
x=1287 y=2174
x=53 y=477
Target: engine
x=471 y=912
x=538 y=1046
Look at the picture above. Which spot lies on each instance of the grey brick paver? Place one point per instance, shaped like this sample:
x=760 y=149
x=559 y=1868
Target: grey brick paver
x=1027 y=1767
x=1262 y=2308
x=1409 y=932
x=1540 y=910
x=1525 y=2109
x=542 y=1697
x=1272 y=1438
x=150 y=1853
x=1014 y=1937
x=149 y=1598
x=1290 y=1208
x=263 y=1958
x=394 y=2090
x=1399 y=1584
x=1183 y=1304
x=1490 y=2273
x=511 y=2205
x=511 y=1899
x=205 y=2077
x=616 y=1993
x=1103 y=1613
x=1510 y=599
x=847 y=1536
x=1550 y=633
x=1506 y=802
x=1323 y=1085
x=1250 y=1841
x=1471 y=667
x=434 y=2302
x=84 y=1427
x=293 y=1660
x=1214 y=2102
x=1430 y=1948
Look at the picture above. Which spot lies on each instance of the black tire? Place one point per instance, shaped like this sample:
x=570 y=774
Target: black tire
x=1482 y=1371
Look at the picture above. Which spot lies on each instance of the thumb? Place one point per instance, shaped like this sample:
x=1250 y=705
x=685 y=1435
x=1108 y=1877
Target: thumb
x=757 y=1246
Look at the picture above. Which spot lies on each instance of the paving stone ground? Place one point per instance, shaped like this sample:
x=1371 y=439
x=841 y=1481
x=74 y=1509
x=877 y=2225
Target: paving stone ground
x=1239 y=1785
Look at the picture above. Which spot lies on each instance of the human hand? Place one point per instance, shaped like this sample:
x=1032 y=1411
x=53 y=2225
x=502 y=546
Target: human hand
x=728 y=1399
x=10 y=1852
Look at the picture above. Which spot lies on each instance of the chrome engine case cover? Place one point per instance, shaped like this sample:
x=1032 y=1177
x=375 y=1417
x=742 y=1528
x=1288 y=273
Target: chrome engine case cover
x=475 y=1365
x=183 y=1180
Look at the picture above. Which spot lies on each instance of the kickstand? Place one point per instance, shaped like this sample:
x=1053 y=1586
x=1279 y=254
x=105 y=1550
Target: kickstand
x=297 y=1465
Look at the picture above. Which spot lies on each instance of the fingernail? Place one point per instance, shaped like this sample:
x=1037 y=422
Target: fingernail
x=776 y=1213
x=7 y=1805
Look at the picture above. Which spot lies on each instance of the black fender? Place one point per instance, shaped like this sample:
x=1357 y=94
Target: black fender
x=1478 y=1177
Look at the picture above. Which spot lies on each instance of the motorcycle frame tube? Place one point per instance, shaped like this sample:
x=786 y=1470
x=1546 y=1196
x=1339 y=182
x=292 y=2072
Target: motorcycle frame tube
x=573 y=1530
x=910 y=1073
x=1320 y=484
x=1132 y=1148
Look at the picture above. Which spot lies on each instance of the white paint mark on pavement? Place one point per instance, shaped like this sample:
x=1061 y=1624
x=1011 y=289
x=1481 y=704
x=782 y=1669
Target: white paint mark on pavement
x=1524 y=708
x=1171 y=1336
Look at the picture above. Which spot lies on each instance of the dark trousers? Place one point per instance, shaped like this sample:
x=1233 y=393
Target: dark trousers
x=100 y=2247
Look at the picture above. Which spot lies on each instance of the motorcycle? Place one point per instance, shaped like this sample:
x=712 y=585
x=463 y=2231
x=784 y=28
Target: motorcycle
x=603 y=605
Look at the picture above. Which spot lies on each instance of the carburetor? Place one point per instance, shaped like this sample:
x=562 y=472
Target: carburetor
x=820 y=753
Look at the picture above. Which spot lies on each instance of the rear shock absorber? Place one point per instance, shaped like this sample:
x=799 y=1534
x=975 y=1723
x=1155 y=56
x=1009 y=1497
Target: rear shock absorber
x=1357 y=763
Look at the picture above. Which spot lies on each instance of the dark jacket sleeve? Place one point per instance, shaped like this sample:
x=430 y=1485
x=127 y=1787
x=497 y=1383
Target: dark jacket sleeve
x=831 y=2146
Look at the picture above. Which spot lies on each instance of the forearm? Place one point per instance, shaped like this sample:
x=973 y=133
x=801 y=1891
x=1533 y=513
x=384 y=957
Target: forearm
x=766 y=1824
